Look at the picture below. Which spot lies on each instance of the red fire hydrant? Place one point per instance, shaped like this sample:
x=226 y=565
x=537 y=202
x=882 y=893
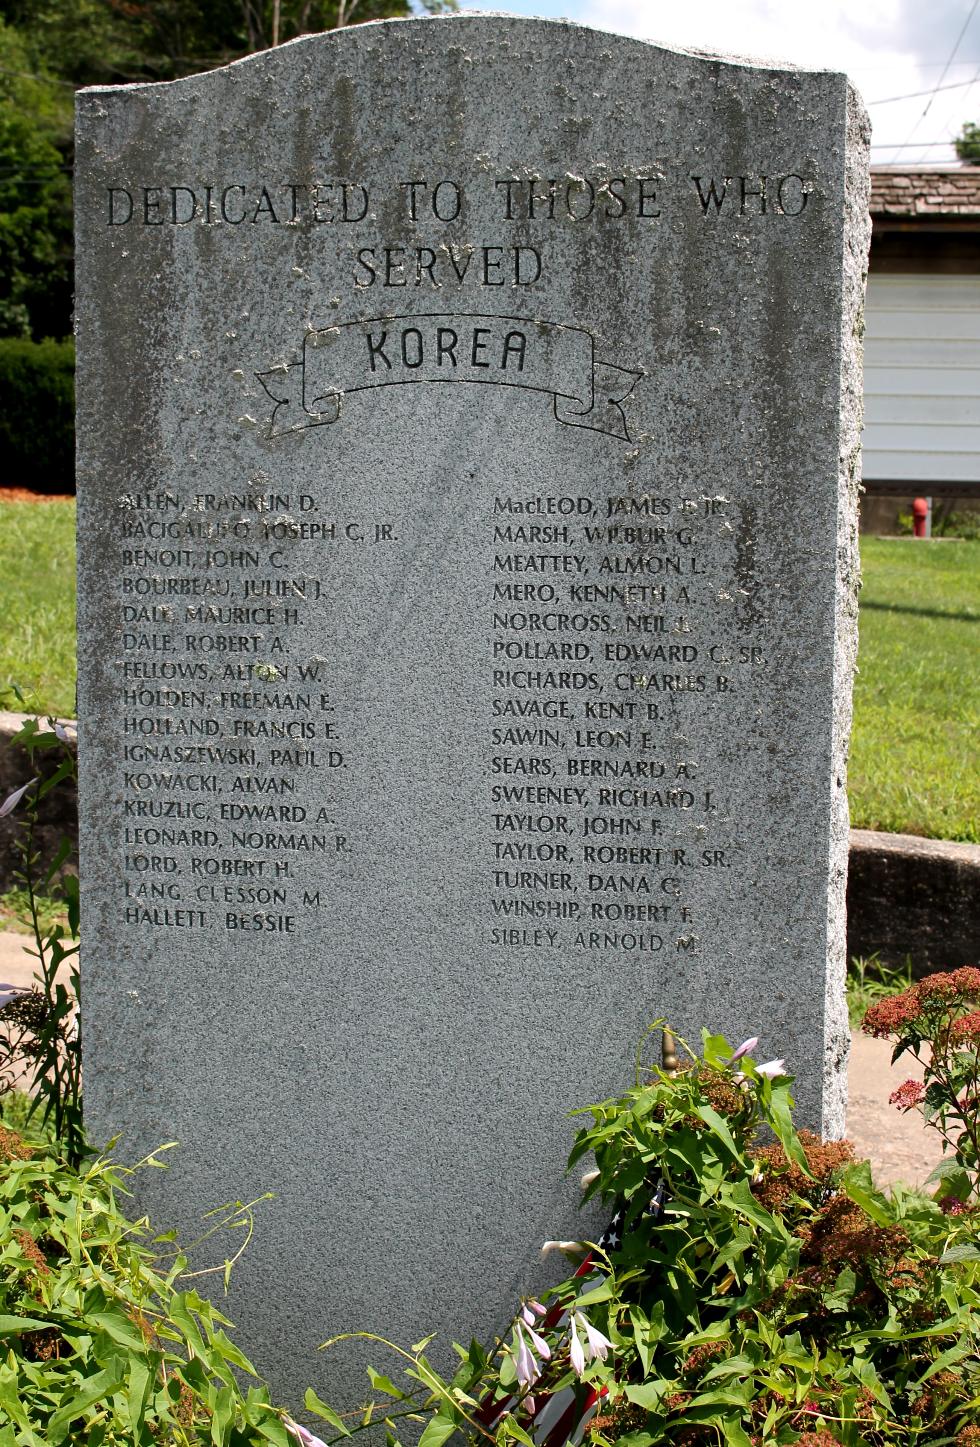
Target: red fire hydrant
x=920 y=517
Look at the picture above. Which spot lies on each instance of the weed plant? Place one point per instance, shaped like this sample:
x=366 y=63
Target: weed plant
x=869 y=979
x=748 y=1294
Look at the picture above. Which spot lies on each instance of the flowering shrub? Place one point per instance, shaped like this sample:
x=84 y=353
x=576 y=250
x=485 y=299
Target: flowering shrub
x=105 y=1341
x=937 y=1023
x=752 y=1287
x=38 y=1031
x=748 y=1292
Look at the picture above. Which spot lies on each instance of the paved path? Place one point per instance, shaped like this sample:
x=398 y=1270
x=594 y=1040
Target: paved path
x=898 y=1146
x=17 y=967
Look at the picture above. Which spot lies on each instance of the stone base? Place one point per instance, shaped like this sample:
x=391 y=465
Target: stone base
x=912 y=896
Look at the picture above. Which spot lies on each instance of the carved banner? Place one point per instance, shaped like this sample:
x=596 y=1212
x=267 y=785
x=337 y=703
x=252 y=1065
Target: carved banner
x=394 y=351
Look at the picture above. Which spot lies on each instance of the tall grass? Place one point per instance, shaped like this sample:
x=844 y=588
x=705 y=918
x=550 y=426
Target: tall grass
x=914 y=750
x=37 y=606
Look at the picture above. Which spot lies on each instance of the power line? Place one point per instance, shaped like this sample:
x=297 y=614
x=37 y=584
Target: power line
x=909 y=145
x=973 y=10
x=966 y=22
x=914 y=94
x=952 y=55
x=955 y=110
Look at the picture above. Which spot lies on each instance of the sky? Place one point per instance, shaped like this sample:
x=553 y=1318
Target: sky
x=925 y=51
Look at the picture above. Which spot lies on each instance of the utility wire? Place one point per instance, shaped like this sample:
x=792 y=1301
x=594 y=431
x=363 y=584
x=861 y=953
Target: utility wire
x=960 y=104
x=952 y=55
x=909 y=145
x=914 y=94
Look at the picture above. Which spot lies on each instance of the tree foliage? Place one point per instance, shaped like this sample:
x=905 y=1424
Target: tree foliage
x=967 y=143
x=48 y=48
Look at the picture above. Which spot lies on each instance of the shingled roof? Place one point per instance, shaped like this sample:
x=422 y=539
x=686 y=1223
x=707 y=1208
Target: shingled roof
x=898 y=192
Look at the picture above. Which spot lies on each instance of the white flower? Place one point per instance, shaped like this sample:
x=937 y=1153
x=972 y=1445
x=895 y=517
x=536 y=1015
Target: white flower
x=12 y=800
x=525 y=1361
x=66 y=733
x=540 y=1345
x=746 y=1047
x=598 y=1344
x=575 y=1349
x=305 y=1437
x=772 y=1068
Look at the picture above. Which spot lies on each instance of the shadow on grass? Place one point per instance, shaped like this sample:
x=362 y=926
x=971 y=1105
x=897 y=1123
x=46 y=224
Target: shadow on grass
x=920 y=612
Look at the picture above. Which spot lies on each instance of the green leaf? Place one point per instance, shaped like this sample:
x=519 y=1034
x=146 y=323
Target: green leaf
x=649 y=1395
x=14 y=1325
x=739 y=1193
x=119 y=1328
x=948 y=1358
x=140 y=1386
x=66 y=767
x=839 y=1297
x=314 y=1404
x=781 y=1120
x=602 y=1292
x=274 y=1431
x=93 y=1390
x=964 y=1252
x=222 y=1415
x=437 y=1431
x=716 y=1050
x=733 y=1434
x=858 y=1187
x=719 y=1126
x=512 y=1429
x=732 y=1396
x=384 y=1384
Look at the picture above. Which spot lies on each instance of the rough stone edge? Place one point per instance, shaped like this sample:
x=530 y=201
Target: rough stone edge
x=856 y=242
x=473 y=17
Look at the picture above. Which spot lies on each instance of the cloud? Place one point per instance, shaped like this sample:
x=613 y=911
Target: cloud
x=827 y=37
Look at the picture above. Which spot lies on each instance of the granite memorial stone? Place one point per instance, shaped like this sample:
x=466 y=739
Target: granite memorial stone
x=468 y=431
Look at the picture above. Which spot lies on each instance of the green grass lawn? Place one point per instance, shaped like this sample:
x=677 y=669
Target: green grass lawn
x=916 y=707
x=914 y=748
x=37 y=605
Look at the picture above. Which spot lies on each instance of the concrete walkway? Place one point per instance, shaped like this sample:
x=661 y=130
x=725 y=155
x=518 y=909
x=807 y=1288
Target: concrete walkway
x=899 y=1147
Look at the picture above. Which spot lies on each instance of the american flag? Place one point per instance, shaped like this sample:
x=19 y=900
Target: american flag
x=560 y=1418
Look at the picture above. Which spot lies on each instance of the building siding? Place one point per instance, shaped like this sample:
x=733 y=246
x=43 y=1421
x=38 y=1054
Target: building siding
x=922 y=379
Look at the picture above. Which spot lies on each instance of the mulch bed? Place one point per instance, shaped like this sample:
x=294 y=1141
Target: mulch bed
x=24 y=494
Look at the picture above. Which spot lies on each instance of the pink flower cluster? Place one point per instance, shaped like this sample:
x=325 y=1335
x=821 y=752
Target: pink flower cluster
x=889 y=1017
x=967 y=1027
x=527 y=1341
x=892 y=1015
x=908 y=1095
x=965 y=982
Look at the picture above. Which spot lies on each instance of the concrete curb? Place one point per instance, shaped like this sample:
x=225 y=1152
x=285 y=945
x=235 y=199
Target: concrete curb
x=912 y=896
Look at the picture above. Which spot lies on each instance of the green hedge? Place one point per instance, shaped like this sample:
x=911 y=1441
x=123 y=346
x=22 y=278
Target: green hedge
x=37 y=414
